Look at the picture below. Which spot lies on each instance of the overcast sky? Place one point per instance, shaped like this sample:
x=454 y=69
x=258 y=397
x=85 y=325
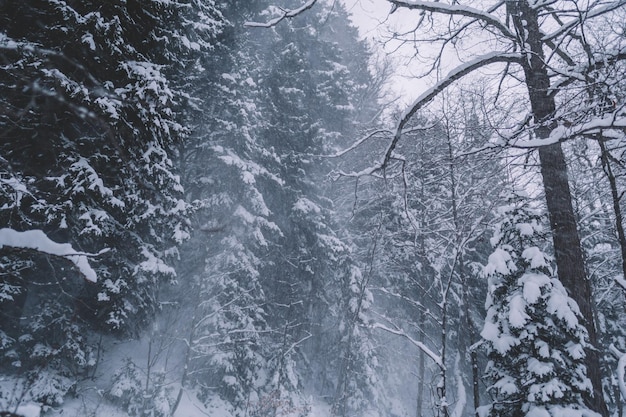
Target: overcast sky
x=372 y=19
x=368 y=14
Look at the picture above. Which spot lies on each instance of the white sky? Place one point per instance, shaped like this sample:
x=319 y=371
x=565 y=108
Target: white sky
x=368 y=14
x=374 y=23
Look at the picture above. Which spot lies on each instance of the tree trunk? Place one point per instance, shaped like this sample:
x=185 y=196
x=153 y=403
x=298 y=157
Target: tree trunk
x=619 y=220
x=420 y=368
x=466 y=327
x=567 y=248
x=470 y=334
x=569 y=257
x=441 y=389
x=421 y=321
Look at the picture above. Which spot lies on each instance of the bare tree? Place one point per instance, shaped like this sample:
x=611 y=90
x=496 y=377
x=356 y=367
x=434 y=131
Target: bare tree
x=541 y=39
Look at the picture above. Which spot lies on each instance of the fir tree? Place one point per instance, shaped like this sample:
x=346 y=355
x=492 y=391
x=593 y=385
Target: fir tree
x=91 y=101
x=269 y=263
x=535 y=341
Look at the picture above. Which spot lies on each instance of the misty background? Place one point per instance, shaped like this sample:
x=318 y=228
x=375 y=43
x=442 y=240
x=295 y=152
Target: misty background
x=312 y=208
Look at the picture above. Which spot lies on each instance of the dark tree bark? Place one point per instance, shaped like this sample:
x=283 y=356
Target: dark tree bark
x=567 y=247
x=616 y=197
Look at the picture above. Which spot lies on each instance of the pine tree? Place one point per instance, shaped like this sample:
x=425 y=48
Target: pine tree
x=92 y=95
x=315 y=85
x=533 y=334
x=269 y=264
x=227 y=178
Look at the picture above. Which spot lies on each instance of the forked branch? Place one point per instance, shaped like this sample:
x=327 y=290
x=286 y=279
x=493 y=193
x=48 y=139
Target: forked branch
x=456 y=10
x=286 y=14
x=454 y=75
x=589 y=14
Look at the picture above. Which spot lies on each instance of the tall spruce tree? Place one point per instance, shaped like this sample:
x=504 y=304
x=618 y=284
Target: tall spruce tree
x=533 y=333
x=274 y=279
x=91 y=101
x=315 y=88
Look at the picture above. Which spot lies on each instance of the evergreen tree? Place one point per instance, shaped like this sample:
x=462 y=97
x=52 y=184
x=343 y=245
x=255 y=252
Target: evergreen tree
x=314 y=87
x=223 y=176
x=92 y=95
x=269 y=264
x=533 y=334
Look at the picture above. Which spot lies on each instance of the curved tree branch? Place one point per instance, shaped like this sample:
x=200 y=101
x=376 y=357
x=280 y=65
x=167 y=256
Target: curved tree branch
x=454 y=75
x=432 y=355
x=456 y=10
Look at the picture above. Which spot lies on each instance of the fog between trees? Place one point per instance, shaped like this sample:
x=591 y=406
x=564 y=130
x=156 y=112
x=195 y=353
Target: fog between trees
x=218 y=208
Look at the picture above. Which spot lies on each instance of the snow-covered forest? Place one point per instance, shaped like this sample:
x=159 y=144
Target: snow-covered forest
x=222 y=208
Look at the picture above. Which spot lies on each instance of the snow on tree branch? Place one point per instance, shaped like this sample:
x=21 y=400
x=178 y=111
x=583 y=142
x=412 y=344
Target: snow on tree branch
x=456 y=10
x=286 y=14
x=454 y=75
x=590 y=14
x=562 y=133
x=9 y=44
x=436 y=358
x=358 y=143
x=369 y=136
x=580 y=72
x=38 y=241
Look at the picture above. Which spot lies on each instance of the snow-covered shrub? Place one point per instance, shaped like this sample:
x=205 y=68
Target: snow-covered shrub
x=127 y=388
x=51 y=354
x=277 y=404
x=533 y=335
x=129 y=392
x=158 y=399
x=49 y=387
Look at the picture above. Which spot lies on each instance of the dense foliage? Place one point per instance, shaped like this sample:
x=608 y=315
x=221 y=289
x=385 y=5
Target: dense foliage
x=211 y=208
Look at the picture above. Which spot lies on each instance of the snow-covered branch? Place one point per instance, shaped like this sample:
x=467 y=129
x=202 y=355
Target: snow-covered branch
x=38 y=241
x=358 y=143
x=410 y=301
x=371 y=135
x=9 y=44
x=562 y=133
x=588 y=15
x=372 y=170
x=454 y=75
x=579 y=72
x=455 y=10
x=294 y=345
x=286 y=14
x=436 y=358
